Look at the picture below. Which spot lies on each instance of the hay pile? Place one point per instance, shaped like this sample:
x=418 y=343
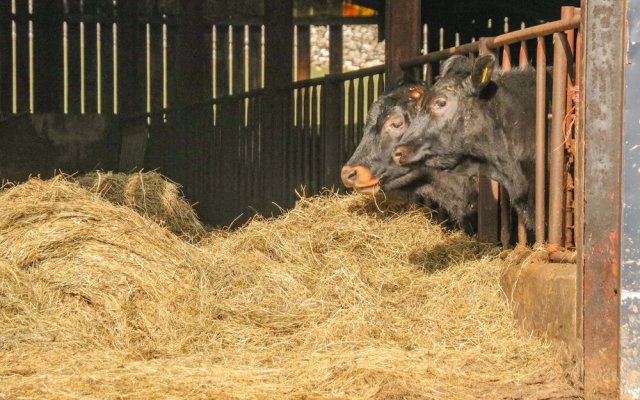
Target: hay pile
x=332 y=300
x=151 y=195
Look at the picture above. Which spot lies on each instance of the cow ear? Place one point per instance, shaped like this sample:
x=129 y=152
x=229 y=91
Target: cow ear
x=481 y=73
x=456 y=66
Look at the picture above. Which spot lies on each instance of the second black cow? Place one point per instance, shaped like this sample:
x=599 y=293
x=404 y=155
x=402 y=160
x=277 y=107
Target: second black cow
x=371 y=166
x=477 y=116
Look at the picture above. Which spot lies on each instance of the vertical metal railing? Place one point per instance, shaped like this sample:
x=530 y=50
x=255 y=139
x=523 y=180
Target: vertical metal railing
x=557 y=154
x=250 y=152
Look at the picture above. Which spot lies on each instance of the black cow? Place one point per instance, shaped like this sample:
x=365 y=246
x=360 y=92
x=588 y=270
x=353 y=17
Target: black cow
x=371 y=166
x=474 y=116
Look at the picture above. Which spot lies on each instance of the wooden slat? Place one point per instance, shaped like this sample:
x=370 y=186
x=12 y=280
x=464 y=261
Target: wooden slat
x=222 y=60
x=238 y=73
x=255 y=57
x=5 y=58
x=22 y=53
x=279 y=43
x=48 y=56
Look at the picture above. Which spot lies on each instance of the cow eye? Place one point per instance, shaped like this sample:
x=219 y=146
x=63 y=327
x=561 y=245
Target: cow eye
x=440 y=103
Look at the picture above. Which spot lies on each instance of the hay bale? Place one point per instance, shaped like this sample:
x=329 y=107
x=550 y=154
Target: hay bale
x=81 y=270
x=150 y=194
x=333 y=299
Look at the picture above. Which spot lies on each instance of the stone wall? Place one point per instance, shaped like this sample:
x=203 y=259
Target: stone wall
x=361 y=48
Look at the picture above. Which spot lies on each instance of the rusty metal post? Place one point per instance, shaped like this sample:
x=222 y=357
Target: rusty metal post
x=523 y=56
x=569 y=143
x=505 y=204
x=630 y=251
x=523 y=63
x=556 y=142
x=488 y=194
x=602 y=88
x=541 y=140
x=403 y=29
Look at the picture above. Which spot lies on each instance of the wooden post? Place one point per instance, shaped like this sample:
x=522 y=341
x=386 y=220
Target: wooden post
x=335 y=49
x=130 y=99
x=402 y=20
x=191 y=59
x=237 y=37
x=278 y=43
x=5 y=59
x=304 y=52
x=255 y=57
x=48 y=56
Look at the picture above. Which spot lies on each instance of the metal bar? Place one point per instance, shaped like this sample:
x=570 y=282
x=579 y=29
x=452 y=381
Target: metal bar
x=569 y=141
x=556 y=142
x=523 y=63
x=541 y=141
x=578 y=169
x=603 y=86
x=505 y=204
x=495 y=42
x=533 y=32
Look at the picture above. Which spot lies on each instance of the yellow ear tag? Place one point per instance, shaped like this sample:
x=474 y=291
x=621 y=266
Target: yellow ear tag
x=485 y=72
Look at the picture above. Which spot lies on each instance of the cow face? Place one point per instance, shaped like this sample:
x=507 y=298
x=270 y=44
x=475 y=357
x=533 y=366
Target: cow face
x=371 y=166
x=451 y=117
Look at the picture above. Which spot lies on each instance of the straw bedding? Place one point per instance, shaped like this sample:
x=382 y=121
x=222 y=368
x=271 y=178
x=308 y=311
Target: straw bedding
x=150 y=194
x=333 y=300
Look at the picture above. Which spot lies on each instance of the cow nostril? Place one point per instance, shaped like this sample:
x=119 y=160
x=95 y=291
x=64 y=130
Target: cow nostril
x=352 y=175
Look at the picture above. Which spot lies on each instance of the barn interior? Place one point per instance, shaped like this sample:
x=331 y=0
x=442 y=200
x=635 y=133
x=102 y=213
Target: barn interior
x=224 y=100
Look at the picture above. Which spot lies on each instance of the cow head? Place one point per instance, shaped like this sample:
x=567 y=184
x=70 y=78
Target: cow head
x=451 y=116
x=371 y=167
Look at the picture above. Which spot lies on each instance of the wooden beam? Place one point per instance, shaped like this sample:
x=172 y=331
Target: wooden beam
x=335 y=49
x=48 y=56
x=130 y=99
x=304 y=53
x=279 y=43
x=402 y=20
x=191 y=59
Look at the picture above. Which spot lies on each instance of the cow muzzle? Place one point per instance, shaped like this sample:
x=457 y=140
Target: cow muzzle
x=360 y=178
x=402 y=155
